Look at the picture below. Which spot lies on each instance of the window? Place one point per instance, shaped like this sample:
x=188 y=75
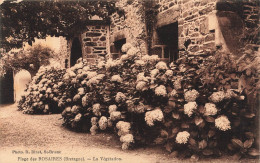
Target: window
x=116 y=48
x=168 y=40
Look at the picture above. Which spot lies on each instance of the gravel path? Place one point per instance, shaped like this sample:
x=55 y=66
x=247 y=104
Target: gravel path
x=44 y=137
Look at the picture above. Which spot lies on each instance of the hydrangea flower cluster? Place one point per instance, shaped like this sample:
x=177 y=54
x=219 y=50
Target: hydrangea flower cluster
x=112 y=108
x=189 y=108
x=115 y=115
x=154 y=115
x=210 y=109
x=141 y=85
x=126 y=47
x=191 y=96
x=77 y=117
x=124 y=133
x=116 y=78
x=120 y=97
x=94 y=127
x=154 y=73
x=160 y=90
x=102 y=123
x=161 y=66
x=182 y=137
x=222 y=123
x=96 y=109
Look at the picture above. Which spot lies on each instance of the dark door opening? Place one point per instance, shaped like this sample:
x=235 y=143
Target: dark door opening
x=76 y=51
x=168 y=35
x=7 y=88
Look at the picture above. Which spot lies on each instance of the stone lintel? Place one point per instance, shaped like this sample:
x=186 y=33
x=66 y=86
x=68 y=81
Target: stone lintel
x=168 y=17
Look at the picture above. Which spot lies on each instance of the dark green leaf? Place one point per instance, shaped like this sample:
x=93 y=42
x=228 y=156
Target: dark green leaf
x=237 y=143
x=202 y=144
x=198 y=120
x=192 y=142
x=248 y=143
x=207 y=152
x=168 y=147
x=211 y=133
x=210 y=119
x=159 y=141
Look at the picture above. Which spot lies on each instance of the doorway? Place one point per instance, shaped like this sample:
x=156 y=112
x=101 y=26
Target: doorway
x=76 y=51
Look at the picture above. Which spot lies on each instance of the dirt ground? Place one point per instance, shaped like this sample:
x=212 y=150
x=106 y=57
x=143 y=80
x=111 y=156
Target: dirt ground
x=42 y=138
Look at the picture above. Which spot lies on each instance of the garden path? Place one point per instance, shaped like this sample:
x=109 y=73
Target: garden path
x=20 y=132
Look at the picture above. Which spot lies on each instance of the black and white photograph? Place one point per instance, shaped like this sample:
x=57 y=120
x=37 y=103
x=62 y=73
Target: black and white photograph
x=129 y=81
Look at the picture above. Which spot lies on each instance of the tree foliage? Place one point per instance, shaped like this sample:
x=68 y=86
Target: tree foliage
x=27 y=20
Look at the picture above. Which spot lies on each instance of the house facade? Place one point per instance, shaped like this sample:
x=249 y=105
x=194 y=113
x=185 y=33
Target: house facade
x=180 y=26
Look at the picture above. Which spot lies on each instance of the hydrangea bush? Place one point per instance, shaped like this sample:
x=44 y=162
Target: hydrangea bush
x=43 y=93
x=146 y=101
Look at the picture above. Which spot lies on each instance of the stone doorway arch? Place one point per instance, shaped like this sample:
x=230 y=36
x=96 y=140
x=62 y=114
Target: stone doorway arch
x=76 y=51
x=21 y=79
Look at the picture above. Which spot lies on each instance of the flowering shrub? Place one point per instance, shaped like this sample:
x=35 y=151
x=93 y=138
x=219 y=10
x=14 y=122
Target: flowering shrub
x=146 y=101
x=42 y=94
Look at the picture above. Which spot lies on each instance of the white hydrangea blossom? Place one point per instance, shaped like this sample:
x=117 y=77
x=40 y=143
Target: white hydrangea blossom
x=126 y=47
x=124 y=57
x=140 y=85
x=84 y=100
x=150 y=59
x=125 y=146
x=177 y=82
x=96 y=109
x=110 y=63
x=75 y=109
x=154 y=115
x=191 y=96
x=94 y=121
x=217 y=96
x=93 y=130
x=102 y=123
x=173 y=93
x=160 y=90
x=161 y=66
x=169 y=73
x=116 y=78
x=123 y=127
x=77 y=117
x=112 y=108
x=182 y=137
x=115 y=115
x=154 y=72
x=101 y=64
x=141 y=77
x=128 y=138
x=120 y=97
x=222 y=123
x=210 y=109
x=140 y=63
x=132 y=51
x=189 y=108
x=140 y=108
x=76 y=97
x=91 y=74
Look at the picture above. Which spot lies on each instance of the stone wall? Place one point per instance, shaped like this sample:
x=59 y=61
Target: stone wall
x=94 y=42
x=129 y=26
x=195 y=33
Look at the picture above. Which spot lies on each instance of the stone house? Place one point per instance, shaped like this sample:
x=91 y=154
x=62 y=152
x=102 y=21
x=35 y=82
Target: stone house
x=195 y=26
